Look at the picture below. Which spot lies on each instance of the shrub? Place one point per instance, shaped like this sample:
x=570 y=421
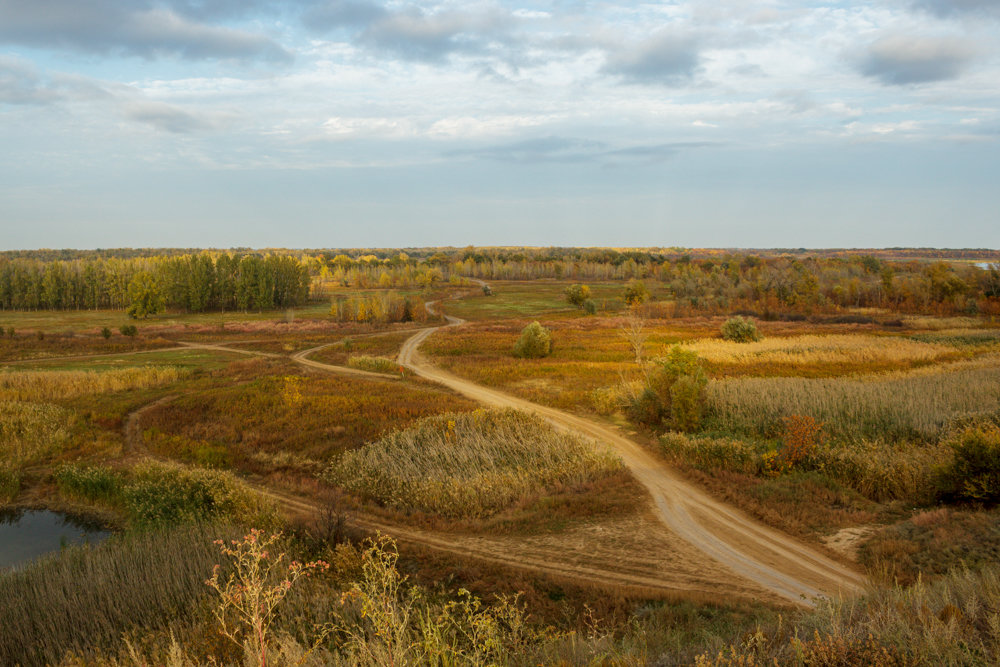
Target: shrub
x=974 y=475
x=157 y=494
x=646 y=408
x=590 y=307
x=635 y=293
x=10 y=484
x=106 y=332
x=129 y=330
x=739 y=330
x=535 y=342
x=678 y=382
x=576 y=295
x=365 y=362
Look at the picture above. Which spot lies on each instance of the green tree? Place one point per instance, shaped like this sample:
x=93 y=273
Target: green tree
x=535 y=342
x=576 y=295
x=144 y=296
x=678 y=382
x=635 y=293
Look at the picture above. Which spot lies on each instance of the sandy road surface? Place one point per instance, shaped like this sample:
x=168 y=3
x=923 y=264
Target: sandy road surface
x=729 y=538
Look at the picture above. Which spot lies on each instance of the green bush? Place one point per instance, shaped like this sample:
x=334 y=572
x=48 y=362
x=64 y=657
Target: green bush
x=678 y=382
x=535 y=342
x=646 y=409
x=129 y=330
x=974 y=474
x=635 y=293
x=92 y=483
x=740 y=330
x=10 y=484
x=590 y=307
x=577 y=294
x=106 y=332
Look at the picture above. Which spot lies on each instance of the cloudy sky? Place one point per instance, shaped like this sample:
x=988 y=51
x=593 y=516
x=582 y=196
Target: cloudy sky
x=317 y=123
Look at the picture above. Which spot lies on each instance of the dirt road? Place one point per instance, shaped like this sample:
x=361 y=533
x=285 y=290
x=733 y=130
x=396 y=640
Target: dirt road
x=729 y=538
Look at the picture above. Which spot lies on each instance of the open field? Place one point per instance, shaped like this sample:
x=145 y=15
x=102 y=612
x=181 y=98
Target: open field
x=231 y=430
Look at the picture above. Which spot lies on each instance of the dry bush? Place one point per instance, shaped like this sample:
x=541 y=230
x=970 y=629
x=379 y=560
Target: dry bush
x=51 y=385
x=470 y=465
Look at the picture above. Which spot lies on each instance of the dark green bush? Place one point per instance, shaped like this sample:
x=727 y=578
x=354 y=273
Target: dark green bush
x=974 y=474
x=740 y=330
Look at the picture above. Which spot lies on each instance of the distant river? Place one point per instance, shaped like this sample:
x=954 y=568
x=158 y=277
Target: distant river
x=28 y=534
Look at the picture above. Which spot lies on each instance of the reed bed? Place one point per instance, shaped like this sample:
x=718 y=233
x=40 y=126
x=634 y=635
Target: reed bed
x=471 y=465
x=29 y=431
x=52 y=385
x=86 y=598
x=812 y=349
x=893 y=407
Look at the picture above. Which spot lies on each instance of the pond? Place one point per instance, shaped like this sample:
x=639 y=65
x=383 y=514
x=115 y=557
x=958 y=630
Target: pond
x=28 y=534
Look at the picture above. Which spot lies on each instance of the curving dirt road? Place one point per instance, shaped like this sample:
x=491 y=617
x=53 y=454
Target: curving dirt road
x=769 y=558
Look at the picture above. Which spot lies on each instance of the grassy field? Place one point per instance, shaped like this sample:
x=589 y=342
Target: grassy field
x=165 y=440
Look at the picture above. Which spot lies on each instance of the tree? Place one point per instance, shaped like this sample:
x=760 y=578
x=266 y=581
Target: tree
x=106 y=332
x=144 y=295
x=576 y=295
x=633 y=331
x=635 y=293
x=535 y=342
x=679 y=382
x=129 y=330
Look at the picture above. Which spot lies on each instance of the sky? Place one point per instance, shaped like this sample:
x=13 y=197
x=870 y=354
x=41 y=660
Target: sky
x=363 y=123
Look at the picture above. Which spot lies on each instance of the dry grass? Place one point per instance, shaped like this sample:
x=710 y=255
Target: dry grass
x=51 y=385
x=272 y=421
x=912 y=406
x=470 y=465
x=375 y=364
x=83 y=599
x=30 y=431
x=813 y=349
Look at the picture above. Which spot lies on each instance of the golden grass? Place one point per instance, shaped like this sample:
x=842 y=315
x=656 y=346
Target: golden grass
x=52 y=385
x=813 y=349
x=29 y=431
x=471 y=465
x=897 y=406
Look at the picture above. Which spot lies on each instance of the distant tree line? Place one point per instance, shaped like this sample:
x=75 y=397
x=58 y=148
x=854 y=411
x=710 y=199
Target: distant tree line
x=703 y=281
x=190 y=283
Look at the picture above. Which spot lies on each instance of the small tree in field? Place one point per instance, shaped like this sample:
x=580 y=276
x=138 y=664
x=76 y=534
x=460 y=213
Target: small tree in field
x=576 y=295
x=740 y=330
x=635 y=293
x=678 y=381
x=106 y=333
x=535 y=342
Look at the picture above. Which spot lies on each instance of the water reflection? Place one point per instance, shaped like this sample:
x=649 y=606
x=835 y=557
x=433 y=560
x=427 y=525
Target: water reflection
x=28 y=534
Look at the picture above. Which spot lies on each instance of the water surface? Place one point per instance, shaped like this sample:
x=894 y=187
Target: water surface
x=28 y=534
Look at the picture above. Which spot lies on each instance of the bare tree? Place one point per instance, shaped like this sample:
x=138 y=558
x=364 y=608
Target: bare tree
x=633 y=331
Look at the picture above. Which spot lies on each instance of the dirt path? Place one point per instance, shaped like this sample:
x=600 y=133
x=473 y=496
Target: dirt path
x=616 y=553
x=729 y=538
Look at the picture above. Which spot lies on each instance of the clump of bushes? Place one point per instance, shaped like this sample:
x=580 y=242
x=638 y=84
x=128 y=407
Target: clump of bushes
x=674 y=392
x=974 y=473
x=635 y=293
x=157 y=494
x=535 y=342
x=740 y=330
